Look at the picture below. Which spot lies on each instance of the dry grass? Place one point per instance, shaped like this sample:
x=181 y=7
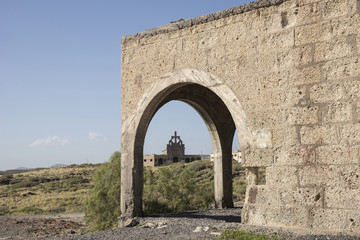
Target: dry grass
x=53 y=190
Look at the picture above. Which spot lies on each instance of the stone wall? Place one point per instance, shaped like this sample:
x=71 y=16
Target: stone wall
x=293 y=70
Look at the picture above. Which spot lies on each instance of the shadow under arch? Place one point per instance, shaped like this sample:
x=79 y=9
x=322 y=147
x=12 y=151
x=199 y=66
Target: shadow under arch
x=221 y=112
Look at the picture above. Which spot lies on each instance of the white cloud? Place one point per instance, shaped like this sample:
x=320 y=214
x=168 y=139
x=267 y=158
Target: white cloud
x=96 y=136
x=54 y=140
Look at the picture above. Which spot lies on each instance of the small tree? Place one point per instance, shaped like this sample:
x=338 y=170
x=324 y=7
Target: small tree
x=102 y=208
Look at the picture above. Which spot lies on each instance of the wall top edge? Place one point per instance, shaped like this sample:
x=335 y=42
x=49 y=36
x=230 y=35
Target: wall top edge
x=172 y=27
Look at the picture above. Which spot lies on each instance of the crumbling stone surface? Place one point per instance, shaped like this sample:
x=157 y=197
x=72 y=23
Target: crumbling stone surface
x=286 y=75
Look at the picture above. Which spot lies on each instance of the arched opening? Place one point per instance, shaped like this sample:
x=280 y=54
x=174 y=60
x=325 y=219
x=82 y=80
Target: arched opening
x=202 y=92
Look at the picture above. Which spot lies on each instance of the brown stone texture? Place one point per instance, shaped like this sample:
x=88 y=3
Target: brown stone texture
x=286 y=75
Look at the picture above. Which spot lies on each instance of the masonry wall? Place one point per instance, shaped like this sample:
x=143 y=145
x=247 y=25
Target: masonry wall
x=295 y=68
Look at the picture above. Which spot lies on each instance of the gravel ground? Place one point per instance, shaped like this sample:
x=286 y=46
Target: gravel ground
x=196 y=225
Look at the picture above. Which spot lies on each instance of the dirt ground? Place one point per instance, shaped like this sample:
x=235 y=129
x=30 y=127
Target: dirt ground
x=39 y=226
x=192 y=225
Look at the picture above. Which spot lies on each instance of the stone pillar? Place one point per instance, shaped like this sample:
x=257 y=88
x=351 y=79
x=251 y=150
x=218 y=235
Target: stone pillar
x=223 y=174
x=131 y=184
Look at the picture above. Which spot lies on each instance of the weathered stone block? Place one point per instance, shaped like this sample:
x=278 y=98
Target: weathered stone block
x=208 y=39
x=353 y=221
x=298 y=196
x=285 y=137
x=267 y=119
x=225 y=69
x=143 y=53
x=338 y=112
x=275 y=216
x=325 y=92
x=327 y=218
x=259 y=215
x=318 y=135
x=344 y=26
x=292 y=216
x=259 y=82
x=312 y=174
x=303 y=115
x=356 y=112
x=311 y=33
x=132 y=73
x=283 y=39
x=352 y=89
x=339 y=197
x=304 y=55
x=308 y=13
x=167 y=48
x=238 y=49
x=298 y=96
x=196 y=59
x=262 y=195
x=336 y=48
x=294 y=156
x=334 y=8
x=233 y=33
x=284 y=175
x=258 y=157
x=189 y=43
x=350 y=133
x=337 y=154
x=264 y=61
x=342 y=68
x=166 y=64
x=287 y=58
x=349 y=176
x=305 y=75
x=215 y=55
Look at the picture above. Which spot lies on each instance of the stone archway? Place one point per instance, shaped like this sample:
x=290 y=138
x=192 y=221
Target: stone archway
x=221 y=112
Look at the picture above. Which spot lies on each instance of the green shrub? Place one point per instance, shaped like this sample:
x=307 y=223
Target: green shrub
x=102 y=208
x=6 y=179
x=245 y=235
x=176 y=188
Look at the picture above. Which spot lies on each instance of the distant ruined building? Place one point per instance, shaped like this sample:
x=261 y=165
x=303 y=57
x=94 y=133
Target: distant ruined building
x=175 y=152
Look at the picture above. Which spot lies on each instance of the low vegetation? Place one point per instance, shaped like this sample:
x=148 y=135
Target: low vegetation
x=95 y=190
x=178 y=187
x=245 y=235
x=44 y=191
x=102 y=208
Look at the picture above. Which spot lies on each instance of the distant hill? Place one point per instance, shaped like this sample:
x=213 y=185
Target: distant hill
x=22 y=168
x=58 y=165
x=25 y=169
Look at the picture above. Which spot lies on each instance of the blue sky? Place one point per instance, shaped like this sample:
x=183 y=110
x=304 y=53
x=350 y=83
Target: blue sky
x=60 y=79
